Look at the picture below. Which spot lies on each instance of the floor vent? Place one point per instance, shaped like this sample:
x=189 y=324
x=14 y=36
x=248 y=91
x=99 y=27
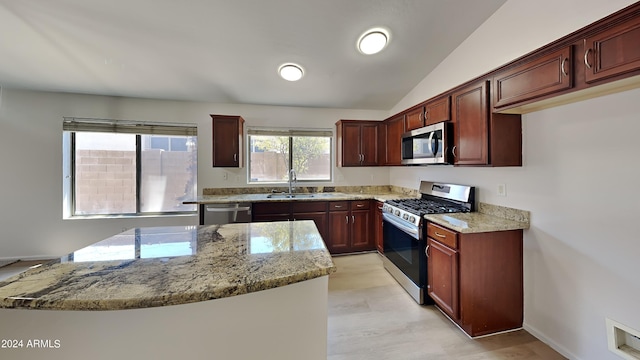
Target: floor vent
x=623 y=340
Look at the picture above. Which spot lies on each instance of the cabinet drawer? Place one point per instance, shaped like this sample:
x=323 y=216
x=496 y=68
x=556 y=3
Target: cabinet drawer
x=360 y=204
x=442 y=235
x=339 y=206
x=309 y=206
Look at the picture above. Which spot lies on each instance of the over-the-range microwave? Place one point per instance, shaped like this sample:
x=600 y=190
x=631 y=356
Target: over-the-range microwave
x=427 y=145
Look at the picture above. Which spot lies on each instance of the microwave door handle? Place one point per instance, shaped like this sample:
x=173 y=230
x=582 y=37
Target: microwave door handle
x=432 y=151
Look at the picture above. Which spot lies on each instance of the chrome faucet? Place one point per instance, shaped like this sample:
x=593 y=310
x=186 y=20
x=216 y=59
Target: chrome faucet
x=293 y=178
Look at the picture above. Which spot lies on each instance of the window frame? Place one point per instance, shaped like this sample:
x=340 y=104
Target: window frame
x=291 y=133
x=69 y=168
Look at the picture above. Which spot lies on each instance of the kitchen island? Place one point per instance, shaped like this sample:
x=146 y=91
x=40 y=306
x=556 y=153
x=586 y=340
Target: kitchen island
x=235 y=291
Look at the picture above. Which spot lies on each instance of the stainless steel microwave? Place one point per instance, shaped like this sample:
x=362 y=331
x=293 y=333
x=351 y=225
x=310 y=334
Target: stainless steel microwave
x=427 y=145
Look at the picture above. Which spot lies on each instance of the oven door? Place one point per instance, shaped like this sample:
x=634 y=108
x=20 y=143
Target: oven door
x=404 y=247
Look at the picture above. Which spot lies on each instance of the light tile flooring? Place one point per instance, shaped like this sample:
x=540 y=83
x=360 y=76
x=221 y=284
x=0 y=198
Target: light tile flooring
x=371 y=317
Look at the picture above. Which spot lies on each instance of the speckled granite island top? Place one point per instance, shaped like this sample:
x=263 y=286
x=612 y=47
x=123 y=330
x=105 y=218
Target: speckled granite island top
x=160 y=266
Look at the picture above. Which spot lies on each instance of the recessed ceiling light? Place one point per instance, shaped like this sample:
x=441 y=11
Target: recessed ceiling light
x=373 y=41
x=291 y=71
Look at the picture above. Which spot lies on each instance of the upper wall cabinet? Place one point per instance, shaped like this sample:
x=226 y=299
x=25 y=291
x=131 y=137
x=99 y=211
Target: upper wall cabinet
x=393 y=129
x=357 y=143
x=533 y=79
x=432 y=112
x=228 y=133
x=613 y=51
x=481 y=138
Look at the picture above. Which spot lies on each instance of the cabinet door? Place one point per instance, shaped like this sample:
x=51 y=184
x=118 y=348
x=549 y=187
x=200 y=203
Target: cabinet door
x=361 y=235
x=350 y=144
x=271 y=211
x=442 y=274
x=338 y=232
x=369 y=144
x=395 y=128
x=377 y=227
x=613 y=52
x=414 y=119
x=320 y=218
x=227 y=140
x=470 y=117
x=437 y=111
x=543 y=76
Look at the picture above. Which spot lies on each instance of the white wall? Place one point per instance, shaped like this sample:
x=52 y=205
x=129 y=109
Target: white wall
x=579 y=180
x=31 y=224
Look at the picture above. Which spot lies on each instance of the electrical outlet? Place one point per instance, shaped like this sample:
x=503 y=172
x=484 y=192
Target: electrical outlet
x=502 y=189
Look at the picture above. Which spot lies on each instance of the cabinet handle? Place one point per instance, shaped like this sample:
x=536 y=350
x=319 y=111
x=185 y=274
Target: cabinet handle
x=353 y=219
x=453 y=151
x=380 y=208
x=564 y=72
x=426 y=251
x=235 y=157
x=337 y=206
x=346 y=217
x=361 y=205
x=586 y=58
x=362 y=157
x=426 y=115
x=420 y=117
x=439 y=235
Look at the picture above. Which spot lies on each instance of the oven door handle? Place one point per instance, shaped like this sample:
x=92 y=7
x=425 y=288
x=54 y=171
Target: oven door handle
x=414 y=232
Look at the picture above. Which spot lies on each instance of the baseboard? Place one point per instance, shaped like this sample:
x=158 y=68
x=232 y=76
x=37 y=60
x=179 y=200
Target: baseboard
x=554 y=345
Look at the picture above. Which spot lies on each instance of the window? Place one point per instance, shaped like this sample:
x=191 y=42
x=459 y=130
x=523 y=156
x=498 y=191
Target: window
x=117 y=167
x=272 y=153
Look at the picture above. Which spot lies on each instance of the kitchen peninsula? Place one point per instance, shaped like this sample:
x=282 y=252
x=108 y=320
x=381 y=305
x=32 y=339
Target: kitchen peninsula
x=210 y=291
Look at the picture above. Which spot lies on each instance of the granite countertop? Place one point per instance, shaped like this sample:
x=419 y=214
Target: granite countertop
x=161 y=266
x=488 y=218
x=333 y=196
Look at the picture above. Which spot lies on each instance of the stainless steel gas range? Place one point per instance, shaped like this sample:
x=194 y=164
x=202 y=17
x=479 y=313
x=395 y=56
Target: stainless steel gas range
x=403 y=234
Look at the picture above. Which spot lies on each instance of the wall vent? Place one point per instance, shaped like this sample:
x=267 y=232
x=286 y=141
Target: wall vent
x=623 y=340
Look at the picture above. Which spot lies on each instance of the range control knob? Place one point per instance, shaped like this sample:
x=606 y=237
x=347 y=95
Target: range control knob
x=405 y=217
x=397 y=213
x=412 y=219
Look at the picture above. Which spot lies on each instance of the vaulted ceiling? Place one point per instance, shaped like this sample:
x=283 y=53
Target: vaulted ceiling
x=228 y=51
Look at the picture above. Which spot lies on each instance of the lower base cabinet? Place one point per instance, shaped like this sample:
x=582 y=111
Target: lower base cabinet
x=350 y=227
x=377 y=226
x=476 y=279
x=345 y=226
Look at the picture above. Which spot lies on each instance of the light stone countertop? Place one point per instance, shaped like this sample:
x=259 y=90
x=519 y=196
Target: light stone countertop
x=488 y=218
x=333 y=196
x=161 y=266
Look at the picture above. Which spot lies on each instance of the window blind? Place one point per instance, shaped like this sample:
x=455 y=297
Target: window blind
x=289 y=132
x=129 y=127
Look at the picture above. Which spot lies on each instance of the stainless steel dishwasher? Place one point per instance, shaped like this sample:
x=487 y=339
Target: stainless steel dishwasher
x=225 y=213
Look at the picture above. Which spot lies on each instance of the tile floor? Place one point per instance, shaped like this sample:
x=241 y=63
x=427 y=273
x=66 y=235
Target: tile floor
x=371 y=317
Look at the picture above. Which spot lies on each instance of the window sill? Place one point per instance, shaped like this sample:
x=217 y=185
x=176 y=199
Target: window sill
x=94 y=217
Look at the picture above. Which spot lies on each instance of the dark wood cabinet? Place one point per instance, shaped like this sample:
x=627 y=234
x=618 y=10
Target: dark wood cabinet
x=292 y=211
x=357 y=143
x=613 y=51
x=533 y=79
x=228 y=133
x=350 y=227
x=394 y=128
x=437 y=111
x=470 y=115
x=377 y=226
x=480 y=137
x=414 y=119
x=443 y=277
x=477 y=278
